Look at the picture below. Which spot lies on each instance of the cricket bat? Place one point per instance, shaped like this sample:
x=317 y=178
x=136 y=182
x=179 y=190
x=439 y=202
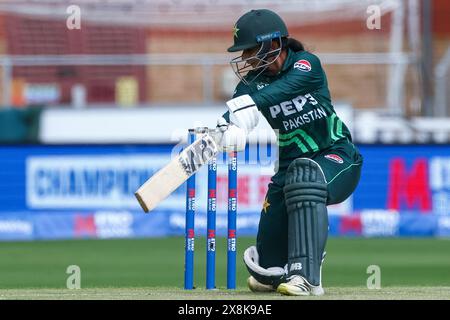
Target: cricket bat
x=176 y=172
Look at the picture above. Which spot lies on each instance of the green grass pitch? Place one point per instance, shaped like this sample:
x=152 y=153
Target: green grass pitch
x=153 y=269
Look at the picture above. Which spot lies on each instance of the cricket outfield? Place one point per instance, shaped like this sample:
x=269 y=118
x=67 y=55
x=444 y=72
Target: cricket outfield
x=153 y=269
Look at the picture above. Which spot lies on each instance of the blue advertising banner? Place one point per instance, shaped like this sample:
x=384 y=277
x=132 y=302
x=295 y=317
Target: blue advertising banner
x=413 y=178
x=63 y=192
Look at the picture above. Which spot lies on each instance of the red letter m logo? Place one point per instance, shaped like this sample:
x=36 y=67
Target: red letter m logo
x=410 y=188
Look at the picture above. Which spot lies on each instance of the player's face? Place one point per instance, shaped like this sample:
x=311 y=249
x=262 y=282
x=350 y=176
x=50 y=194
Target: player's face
x=252 y=52
x=274 y=67
x=260 y=58
x=248 y=53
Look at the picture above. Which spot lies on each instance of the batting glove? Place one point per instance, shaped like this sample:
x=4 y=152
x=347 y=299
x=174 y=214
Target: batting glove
x=244 y=111
x=232 y=139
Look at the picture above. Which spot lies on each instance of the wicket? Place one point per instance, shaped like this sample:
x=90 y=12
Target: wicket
x=211 y=222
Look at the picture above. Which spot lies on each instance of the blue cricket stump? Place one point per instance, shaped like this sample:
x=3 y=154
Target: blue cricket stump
x=190 y=227
x=211 y=226
x=232 y=209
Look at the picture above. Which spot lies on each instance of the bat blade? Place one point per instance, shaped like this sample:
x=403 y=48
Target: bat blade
x=176 y=172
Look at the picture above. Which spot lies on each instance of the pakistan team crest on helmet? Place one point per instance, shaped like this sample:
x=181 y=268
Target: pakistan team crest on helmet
x=235 y=31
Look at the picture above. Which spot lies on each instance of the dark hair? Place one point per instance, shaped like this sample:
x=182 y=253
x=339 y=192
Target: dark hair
x=293 y=44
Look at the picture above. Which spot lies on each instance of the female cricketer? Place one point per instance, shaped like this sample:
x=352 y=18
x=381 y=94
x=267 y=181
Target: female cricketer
x=318 y=163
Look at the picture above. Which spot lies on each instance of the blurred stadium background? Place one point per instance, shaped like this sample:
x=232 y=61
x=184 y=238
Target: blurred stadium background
x=88 y=114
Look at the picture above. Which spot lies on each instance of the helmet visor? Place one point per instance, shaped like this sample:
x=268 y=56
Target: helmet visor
x=257 y=62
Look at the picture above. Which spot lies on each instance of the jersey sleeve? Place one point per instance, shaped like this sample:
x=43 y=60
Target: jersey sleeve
x=240 y=90
x=305 y=76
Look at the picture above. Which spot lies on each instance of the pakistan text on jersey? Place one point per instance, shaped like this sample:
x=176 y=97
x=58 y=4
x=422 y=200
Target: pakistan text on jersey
x=304 y=118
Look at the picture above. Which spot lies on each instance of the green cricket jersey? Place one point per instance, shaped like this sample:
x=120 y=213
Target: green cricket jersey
x=297 y=104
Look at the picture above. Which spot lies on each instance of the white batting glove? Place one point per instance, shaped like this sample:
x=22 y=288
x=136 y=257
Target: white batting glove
x=232 y=139
x=222 y=124
x=243 y=112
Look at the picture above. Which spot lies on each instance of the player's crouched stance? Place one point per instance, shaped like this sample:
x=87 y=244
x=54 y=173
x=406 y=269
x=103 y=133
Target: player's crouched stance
x=318 y=163
x=305 y=195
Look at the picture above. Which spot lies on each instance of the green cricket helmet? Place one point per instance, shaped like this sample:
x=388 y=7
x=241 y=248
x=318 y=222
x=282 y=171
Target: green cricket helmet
x=256 y=29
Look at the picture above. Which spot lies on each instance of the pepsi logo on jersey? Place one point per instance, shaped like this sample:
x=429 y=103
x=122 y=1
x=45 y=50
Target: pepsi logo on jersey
x=303 y=65
x=334 y=158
